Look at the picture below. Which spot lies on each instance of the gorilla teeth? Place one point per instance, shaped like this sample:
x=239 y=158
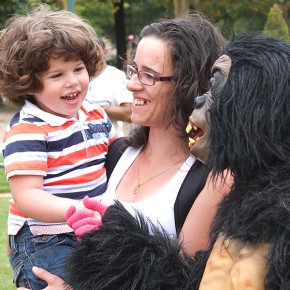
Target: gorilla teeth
x=189 y=127
x=191 y=142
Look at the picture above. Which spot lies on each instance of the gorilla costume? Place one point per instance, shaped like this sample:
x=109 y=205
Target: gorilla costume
x=248 y=110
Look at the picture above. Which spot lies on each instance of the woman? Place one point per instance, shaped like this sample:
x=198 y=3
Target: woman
x=171 y=68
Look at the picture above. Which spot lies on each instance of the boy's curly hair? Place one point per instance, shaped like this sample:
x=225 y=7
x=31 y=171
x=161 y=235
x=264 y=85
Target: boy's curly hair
x=28 y=42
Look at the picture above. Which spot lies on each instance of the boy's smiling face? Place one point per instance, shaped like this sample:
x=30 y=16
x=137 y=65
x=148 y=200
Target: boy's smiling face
x=64 y=87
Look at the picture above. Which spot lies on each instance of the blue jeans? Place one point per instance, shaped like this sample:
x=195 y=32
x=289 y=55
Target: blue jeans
x=49 y=252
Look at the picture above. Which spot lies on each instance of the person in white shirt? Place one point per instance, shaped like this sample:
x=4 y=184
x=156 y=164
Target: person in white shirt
x=108 y=89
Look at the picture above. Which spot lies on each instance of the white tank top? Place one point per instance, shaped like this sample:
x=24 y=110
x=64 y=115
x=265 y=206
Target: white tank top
x=158 y=208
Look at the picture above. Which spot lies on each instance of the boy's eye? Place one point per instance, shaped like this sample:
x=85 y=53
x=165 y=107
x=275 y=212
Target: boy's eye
x=79 y=68
x=56 y=76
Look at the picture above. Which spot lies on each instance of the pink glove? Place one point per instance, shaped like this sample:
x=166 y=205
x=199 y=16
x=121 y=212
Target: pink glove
x=87 y=219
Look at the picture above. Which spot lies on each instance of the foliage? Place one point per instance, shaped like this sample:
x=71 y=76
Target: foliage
x=275 y=25
x=9 y=8
x=5 y=268
x=138 y=13
x=232 y=17
x=237 y=17
x=99 y=15
x=106 y=18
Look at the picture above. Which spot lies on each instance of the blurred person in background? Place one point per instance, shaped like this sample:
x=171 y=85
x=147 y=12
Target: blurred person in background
x=108 y=89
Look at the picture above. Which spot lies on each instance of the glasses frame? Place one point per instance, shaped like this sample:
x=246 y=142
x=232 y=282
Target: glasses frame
x=153 y=76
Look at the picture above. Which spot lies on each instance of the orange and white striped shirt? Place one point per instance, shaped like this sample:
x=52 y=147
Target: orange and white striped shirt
x=69 y=154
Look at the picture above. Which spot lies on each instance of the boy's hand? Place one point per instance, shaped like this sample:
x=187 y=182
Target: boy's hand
x=87 y=219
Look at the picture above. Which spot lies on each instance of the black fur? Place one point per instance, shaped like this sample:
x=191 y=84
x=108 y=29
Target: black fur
x=124 y=255
x=250 y=135
x=250 y=126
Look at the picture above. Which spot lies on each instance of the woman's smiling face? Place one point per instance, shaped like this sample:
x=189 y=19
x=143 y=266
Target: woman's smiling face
x=152 y=104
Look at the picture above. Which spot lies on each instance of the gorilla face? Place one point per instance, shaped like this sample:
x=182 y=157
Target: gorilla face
x=198 y=128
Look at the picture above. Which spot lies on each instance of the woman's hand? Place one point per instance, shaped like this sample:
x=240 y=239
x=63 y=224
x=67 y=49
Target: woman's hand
x=53 y=281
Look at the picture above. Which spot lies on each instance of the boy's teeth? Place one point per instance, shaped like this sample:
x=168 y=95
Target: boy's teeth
x=72 y=96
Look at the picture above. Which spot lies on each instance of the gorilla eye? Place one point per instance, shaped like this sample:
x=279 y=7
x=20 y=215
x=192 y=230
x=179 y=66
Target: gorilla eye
x=212 y=81
x=199 y=101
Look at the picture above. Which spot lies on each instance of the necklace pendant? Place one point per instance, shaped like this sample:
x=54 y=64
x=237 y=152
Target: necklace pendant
x=136 y=189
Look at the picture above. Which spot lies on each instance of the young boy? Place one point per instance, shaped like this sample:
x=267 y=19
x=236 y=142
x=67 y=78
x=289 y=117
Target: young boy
x=55 y=146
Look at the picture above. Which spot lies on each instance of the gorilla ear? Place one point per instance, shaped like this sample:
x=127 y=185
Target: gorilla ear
x=222 y=64
x=220 y=71
x=218 y=82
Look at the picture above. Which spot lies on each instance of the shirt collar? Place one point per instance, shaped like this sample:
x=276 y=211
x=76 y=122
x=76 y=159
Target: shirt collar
x=52 y=119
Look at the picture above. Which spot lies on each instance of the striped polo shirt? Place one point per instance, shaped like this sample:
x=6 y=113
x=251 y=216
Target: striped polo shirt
x=68 y=153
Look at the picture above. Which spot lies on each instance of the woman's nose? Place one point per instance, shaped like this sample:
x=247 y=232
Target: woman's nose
x=134 y=83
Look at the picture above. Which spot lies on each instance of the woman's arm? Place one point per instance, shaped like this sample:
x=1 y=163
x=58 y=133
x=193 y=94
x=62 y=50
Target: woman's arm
x=195 y=232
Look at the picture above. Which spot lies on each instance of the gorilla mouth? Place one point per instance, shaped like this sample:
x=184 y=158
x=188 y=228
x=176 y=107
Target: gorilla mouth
x=194 y=134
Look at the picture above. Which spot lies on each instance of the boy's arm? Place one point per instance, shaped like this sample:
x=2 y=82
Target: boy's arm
x=30 y=198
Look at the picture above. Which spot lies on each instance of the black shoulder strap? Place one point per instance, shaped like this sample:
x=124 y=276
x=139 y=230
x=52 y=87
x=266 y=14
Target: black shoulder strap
x=115 y=151
x=188 y=192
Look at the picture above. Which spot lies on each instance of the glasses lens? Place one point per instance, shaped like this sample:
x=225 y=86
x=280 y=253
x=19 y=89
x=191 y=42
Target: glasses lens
x=147 y=78
x=130 y=72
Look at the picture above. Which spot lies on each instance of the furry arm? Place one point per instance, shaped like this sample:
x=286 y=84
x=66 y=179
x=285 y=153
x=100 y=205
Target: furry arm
x=123 y=254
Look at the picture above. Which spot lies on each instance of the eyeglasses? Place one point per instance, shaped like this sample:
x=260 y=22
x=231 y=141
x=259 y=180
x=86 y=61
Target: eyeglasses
x=144 y=77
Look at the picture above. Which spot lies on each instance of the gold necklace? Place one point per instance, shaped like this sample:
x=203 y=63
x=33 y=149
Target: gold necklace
x=137 y=187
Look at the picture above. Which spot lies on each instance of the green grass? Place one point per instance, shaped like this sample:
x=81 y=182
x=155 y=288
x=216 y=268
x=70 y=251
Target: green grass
x=4 y=185
x=6 y=274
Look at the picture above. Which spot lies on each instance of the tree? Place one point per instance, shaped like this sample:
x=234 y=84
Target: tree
x=117 y=19
x=180 y=7
x=237 y=17
x=276 y=25
x=10 y=7
x=120 y=32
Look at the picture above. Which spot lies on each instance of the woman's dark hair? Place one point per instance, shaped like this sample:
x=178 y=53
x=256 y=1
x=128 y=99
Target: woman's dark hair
x=195 y=43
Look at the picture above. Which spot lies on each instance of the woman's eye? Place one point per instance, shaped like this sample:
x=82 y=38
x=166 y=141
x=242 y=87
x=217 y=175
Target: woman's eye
x=149 y=76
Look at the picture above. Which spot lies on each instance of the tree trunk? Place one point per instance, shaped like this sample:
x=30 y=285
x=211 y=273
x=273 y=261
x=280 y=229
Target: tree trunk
x=180 y=7
x=120 y=33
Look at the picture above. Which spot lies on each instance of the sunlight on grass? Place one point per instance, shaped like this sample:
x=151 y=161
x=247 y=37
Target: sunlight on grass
x=5 y=268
